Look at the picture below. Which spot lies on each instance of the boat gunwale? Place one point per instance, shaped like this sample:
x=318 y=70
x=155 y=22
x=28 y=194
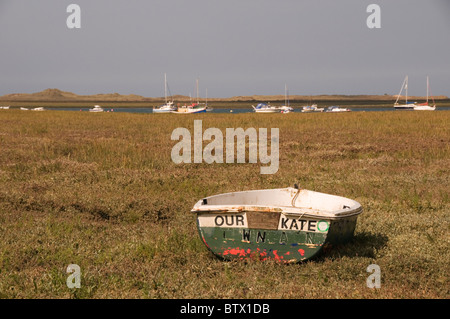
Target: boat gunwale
x=285 y=210
x=296 y=211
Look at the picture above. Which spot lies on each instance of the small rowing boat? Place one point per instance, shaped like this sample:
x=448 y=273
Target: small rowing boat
x=287 y=224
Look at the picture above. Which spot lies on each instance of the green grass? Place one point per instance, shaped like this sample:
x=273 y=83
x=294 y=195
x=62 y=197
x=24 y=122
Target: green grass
x=101 y=191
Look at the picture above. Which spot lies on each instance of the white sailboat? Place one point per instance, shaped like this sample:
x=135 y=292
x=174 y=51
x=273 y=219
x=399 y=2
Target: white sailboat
x=168 y=106
x=425 y=106
x=407 y=105
x=412 y=105
x=286 y=108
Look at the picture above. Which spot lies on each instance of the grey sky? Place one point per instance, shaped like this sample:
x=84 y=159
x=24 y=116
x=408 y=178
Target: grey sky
x=234 y=47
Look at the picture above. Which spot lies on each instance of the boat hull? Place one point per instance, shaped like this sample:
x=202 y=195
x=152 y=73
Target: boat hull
x=268 y=111
x=404 y=107
x=286 y=234
x=424 y=108
x=163 y=110
x=189 y=111
x=296 y=239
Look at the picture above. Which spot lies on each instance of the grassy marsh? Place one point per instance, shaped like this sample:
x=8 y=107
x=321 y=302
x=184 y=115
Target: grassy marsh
x=101 y=191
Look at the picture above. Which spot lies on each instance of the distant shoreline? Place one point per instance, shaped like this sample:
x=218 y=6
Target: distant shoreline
x=56 y=96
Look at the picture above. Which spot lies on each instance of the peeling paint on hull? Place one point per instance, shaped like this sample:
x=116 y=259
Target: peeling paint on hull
x=284 y=246
x=289 y=246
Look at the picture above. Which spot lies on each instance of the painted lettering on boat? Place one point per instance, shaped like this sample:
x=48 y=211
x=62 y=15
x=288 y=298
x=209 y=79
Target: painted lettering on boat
x=307 y=225
x=223 y=220
x=260 y=236
x=229 y=220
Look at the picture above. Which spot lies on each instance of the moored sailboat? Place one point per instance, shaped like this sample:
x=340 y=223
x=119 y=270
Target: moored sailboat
x=407 y=105
x=286 y=108
x=425 y=106
x=413 y=105
x=168 y=106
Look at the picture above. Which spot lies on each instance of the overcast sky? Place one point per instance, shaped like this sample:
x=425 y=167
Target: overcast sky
x=234 y=47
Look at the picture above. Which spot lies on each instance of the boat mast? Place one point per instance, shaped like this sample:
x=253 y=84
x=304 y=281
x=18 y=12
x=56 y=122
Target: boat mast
x=197 y=93
x=165 y=87
x=404 y=85
x=406 y=88
x=285 y=94
x=428 y=85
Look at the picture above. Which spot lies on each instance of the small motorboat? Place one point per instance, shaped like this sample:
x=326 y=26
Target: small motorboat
x=38 y=109
x=165 y=108
x=334 y=109
x=286 y=109
x=266 y=108
x=286 y=224
x=97 y=108
x=312 y=108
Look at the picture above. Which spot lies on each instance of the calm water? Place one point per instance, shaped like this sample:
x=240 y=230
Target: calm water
x=228 y=110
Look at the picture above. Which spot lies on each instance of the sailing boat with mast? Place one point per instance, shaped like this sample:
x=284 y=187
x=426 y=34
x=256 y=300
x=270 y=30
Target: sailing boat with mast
x=413 y=105
x=168 y=106
x=425 y=106
x=286 y=108
x=407 y=105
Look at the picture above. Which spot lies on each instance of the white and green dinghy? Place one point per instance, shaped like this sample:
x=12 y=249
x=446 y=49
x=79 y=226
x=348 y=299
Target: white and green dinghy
x=288 y=224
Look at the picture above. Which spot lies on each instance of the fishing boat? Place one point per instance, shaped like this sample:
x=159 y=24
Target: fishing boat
x=335 y=108
x=38 y=109
x=193 y=107
x=286 y=224
x=190 y=109
x=425 y=106
x=266 y=108
x=286 y=108
x=168 y=106
x=96 y=109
